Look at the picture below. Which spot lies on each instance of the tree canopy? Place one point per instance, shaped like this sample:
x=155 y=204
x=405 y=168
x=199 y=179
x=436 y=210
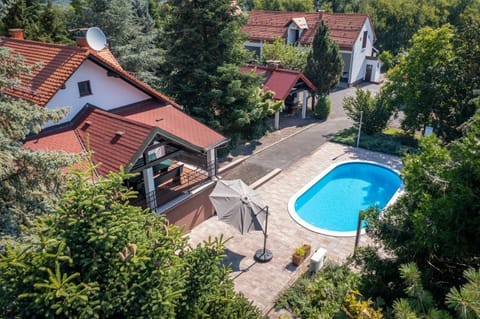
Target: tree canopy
x=203 y=52
x=433 y=84
x=97 y=256
x=29 y=181
x=434 y=223
x=290 y=56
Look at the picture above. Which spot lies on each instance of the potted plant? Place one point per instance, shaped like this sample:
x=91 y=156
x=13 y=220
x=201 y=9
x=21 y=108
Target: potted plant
x=300 y=254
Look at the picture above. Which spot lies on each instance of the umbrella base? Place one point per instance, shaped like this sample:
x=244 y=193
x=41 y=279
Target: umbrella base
x=263 y=256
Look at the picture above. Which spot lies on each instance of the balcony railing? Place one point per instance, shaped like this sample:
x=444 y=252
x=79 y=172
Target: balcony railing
x=170 y=188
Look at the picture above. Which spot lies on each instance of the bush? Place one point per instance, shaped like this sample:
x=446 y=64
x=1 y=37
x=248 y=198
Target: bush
x=376 y=111
x=322 y=295
x=323 y=107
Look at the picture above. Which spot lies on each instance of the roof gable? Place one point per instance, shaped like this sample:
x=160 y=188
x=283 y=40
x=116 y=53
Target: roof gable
x=57 y=63
x=280 y=81
x=344 y=28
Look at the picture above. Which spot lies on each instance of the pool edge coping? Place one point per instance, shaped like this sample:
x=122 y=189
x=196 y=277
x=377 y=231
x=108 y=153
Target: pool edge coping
x=293 y=213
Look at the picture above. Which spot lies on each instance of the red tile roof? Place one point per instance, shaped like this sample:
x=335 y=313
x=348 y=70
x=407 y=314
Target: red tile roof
x=269 y=25
x=58 y=63
x=280 y=81
x=175 y=124
x=65 y=140
x=115 y=139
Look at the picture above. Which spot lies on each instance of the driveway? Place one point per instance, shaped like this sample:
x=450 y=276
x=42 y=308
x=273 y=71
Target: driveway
x=281 y=150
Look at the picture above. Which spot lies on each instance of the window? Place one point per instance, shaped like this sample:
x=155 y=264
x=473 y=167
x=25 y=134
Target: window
x=365 y=37
x=84 y=88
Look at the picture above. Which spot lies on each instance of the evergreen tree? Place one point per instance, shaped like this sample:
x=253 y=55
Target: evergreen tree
x=30 y=182
x=41 y=20
x=202 y=42
x=324 y=63
x=131 y=32
x=97 y=256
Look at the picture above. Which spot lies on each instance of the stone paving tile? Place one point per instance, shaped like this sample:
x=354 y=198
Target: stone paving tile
x=262 y=283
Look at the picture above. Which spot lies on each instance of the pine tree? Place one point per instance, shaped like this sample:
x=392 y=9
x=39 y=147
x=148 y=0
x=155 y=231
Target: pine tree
x=324 y=63
x=97 y=256
x=131 y=33
x=29 y=181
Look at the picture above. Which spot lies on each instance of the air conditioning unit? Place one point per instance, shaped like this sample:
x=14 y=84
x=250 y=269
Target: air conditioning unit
x=318 y=260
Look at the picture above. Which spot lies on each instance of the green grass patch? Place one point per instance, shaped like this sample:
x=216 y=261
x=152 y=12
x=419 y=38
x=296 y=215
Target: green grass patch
x=391 y=141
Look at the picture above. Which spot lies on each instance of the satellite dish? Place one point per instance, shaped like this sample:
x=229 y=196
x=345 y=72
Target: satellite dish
x=96 y=39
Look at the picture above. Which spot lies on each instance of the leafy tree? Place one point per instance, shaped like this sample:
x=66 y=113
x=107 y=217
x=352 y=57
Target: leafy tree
x=324 y=62
x=290 y=57
x=284 y=5
x=29 y=181
x=419 y=83
x=434 y=223
x=375 y=111
x=429 y=83
x=97 y=256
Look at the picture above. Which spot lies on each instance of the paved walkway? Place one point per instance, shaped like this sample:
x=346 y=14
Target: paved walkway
x=262 y=283
x=300 y=149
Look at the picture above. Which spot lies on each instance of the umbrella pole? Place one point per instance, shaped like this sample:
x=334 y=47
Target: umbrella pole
x=264 y=255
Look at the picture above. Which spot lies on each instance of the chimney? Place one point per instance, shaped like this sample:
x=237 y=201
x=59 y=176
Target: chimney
x=272 y=64
x=16 y=34
x=82 y=42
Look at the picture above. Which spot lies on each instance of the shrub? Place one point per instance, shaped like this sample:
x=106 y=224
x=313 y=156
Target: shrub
x=323 y=107
x=322 y=295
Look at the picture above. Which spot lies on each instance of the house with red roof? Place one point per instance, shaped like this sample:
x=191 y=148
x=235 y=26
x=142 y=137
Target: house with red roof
x=288 y=86
x=354 y=34
x=122 y=122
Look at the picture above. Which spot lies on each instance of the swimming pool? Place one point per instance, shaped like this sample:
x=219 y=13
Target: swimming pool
x=330 y=203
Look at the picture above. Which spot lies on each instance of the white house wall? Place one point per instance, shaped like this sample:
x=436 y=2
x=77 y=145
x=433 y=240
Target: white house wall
x=359 y=54
x=107 y=92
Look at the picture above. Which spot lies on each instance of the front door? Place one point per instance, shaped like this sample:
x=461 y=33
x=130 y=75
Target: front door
x=368 y=73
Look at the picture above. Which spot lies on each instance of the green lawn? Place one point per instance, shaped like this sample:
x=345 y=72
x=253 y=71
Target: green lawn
x=391 y=141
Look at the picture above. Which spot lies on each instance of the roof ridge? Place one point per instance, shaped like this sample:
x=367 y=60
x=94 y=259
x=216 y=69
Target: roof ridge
x=45 y=44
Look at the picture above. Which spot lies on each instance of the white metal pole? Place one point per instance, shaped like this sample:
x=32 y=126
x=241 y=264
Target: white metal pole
x=359 y=128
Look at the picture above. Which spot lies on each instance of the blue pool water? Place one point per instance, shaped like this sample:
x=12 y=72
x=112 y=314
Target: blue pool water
x=332 y=203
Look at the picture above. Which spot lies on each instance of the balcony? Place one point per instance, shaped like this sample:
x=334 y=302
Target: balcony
x=172 y=179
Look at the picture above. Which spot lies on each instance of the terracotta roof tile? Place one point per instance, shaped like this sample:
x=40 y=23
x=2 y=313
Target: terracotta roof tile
x=113 y=139
x=268 y=25
x=58 y=62
x=176 y=123
x=280 y=81
x=66 y=141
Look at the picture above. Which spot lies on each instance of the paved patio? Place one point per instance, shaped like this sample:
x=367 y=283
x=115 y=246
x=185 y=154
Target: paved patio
x=262 y=283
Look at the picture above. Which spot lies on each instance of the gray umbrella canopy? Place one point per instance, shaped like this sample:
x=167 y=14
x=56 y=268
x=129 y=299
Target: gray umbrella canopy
x=238 y=205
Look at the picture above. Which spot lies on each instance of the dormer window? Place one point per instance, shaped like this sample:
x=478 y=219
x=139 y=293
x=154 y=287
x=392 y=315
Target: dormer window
x=295 y=28
x=84 y=88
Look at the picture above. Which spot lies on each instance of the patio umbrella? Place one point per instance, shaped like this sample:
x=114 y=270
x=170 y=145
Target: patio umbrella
x=240 y=206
